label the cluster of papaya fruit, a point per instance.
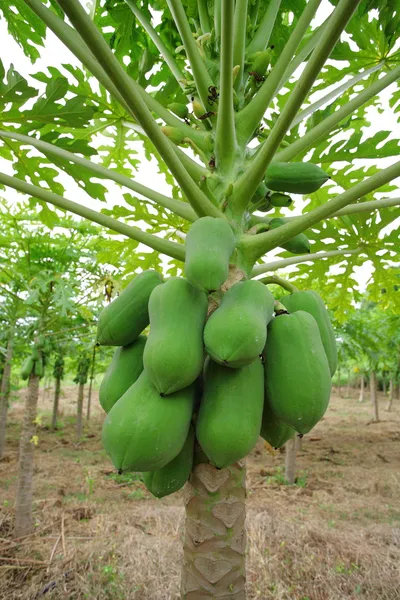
(203, 385)
(35, 363)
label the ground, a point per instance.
(335, 535)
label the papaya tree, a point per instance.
(81, 377)
(214, 92)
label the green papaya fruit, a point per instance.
(143, 431)
(209, 245)
(125, 368)
(174, 354)
(173, 133)
(274, 431)
(299, 244)
(124, 319)
(235, 333)
(38, 368)
(280, 200)
(297, 375)
(198, 109)
(261, 193)
(260, 62)
(174, 475)
(295, 178)
(311, 302)
(229, 419)
(180, 110)
(27, 367)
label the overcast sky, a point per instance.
(55, 54)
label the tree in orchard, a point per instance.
(250, 137)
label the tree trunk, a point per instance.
(348, 384)
(215, 538)
(339, 383)
(384, 386)
(290, 460)
(5, 389)
(79, 418)
(362, 386)
(23, 506)
(299, 443)
(374, 398)
(391, 394)
(91, 384)
(55, 404)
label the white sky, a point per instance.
(55, 54)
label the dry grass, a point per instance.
(333, 536)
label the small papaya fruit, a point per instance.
(209, 245)
(143, 431)
(295, 178)
(27, 367)
(173, 133)
(180, 110)
(274, 431)
(311, 302)
(235, 333)
(38, 368)
(299, 244)
(229, 419)
(260, 62)
(297, 375)
(198, 109)
(121, 322)
(280, 200)
(174, 355)
(125, 368)
(174, 475)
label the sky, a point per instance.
(55, 54)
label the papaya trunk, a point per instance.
(391, 394)
(290, 461)
(384, 385)
(5, 389)
(215, 538)
(79, 416)
(374, 399)
(348, 384)
(362, 386)
(89, 401)
(55, 404)
(23, 506)
(339, 383)
(299, 443)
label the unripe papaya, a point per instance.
(174, 354)
(173, 133)
(174, 475)
(260, 62)
(27, 367)
(311, 302)
(295, 178)
(229, 419)
(180, 110)
(299, 244)
(297, 376)
(121, 322)
(274, 431)
(143, 431)
(209, 245)
(198, 109)
(125, 368)
(235, 333)
(280, 200)
(38, 368)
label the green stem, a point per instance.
(336, 92)
(201, 76)
(248, 183)
(253, 12)
(157, 41)
(204, 17)
(74, 43)
(217, 20)
(239, 45)
(180, 208)
(262, 36)
(225, 139)
(164, 246)
(283, 283)
(294, 260)
(361, 207)
(249, 118)
(257, 245)
(325, 126)
(130, 91)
